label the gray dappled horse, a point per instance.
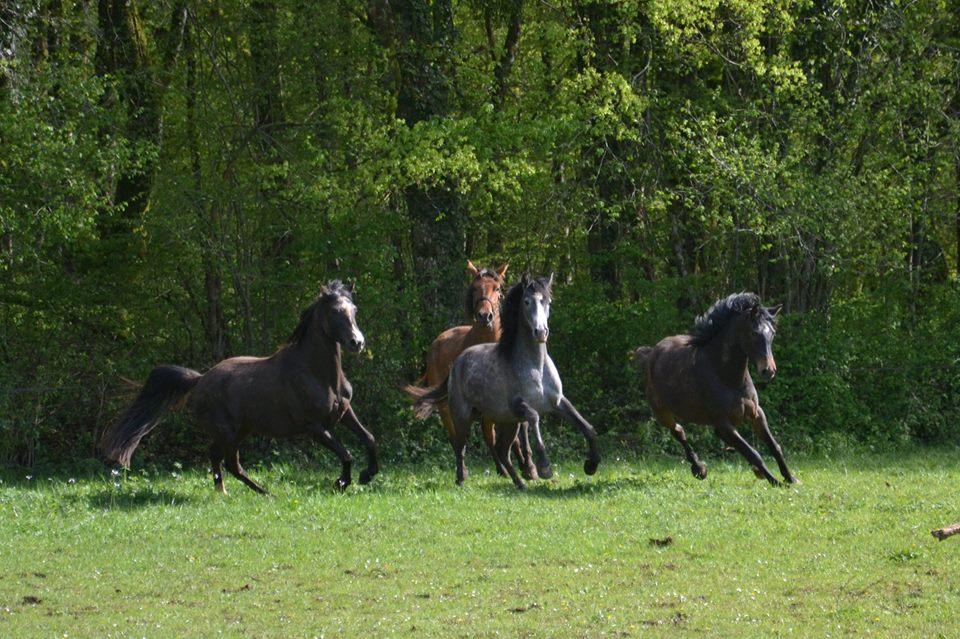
(511, 381)
(704, 378)
(299, 389)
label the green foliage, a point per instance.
(177, 179)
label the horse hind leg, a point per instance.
(697, 467)
(216, 465)
(233, 465)
(490, 437)
(506, 433)
(462, 417)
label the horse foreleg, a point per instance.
(521, 447)
(762, 429)
(369, 443)
(567, 411)
(506, 433)
(233, 465)
(329, 441)
(526, 413)
(729, 434)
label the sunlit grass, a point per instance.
(848, 553)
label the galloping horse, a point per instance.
(482, 306)
(509, 382)
(704, 378)
(299, 389)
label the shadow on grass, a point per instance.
(553, 490)
(144, 498)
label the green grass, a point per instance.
(848, 553)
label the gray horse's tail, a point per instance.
(164, 388)
(426, 399)
(640, 357)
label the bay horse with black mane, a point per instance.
(511, 381)
(704, 378)
(300, 389)
(482, 308)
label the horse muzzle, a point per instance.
(541, 334)
(767, 370)
(486, 319)
(356, 343)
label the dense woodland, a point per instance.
(178, 178)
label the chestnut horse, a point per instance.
(482, 307)
(299, 389)
(704, 378)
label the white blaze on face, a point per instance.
(349, 309)
(540, 314)
(767, 364)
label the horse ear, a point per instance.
(775, 310)
(550, 281)
(502, 270)
(472, 270)
(351, 287)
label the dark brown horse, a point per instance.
(704, 378)
(299, 389)
(482, 308)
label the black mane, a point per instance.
(334, 289)
(510, 311)
(468, 304)
(706, 326)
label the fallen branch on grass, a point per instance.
(946, 531)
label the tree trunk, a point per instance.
(509, 56)
(122, 53)
(214, 323)
(422, 34)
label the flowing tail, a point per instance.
(426, 399)
(165, 386)
(640, 357)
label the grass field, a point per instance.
(847, 553)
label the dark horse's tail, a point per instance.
(640, 357)
(165, 386)
(426, 399)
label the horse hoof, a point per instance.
(793, 480)
(699, 471)
(341, 484)
(545, 472)
(521, 486)
(366, 475)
